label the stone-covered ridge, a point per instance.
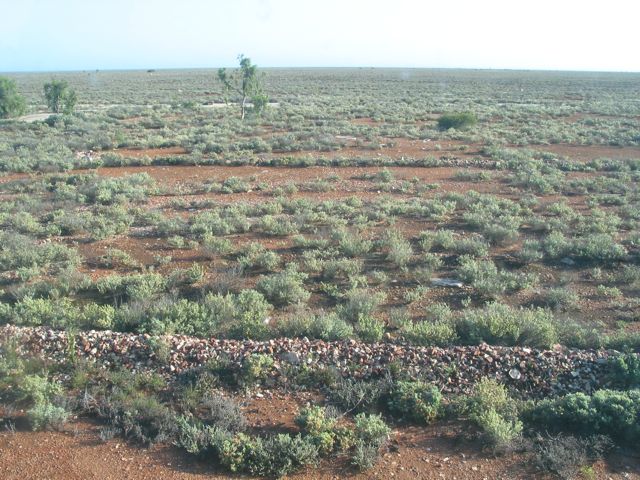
(533, 372)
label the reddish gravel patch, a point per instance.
(534, 373)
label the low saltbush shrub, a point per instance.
(415, 401)
(606, 412)
(459, 121)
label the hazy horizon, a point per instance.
(322, 67)
(76, 35)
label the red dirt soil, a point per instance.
(585, 153)
(148, 152)
(434, 452)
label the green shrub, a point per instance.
(285, 454)
(115, 258)
(370, 434)
(530, 252)
(12, 104)
(352, 244)
(359, 395)
(62, 313)
(560, 299)
(250, 317)
(360, 303)
(625, 370)
(223, 413)
(280, 226)
(598, 247)
(606, 412)
(369, 329)
(256, 368)
(485, 277)
(235, 185)
(399, 251)
(236, 452)
(315, 420)
(322, 430)
(415, 401)
(216, 245)
(30, 259)
(500, 324)
(143, 419)
(499, 432)
(341, 269)
(46, 416)
(274, 457)
(459, 121)
(495, 413)
(199, 439)
(324, 326)
(428, 334)
(99, 317)
(556, 245)
(472, 246)
(286, 287)
(131, 287)
(256, 256)
(38, 389)
(364, 456)
(371, 429)
(489, 394)
(440, 239)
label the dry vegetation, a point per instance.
(347, 210)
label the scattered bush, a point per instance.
(625, 371)
(360, 303)
(256, 368)
(325, 326)
(369, 329)
(223, 413)
(491, 409)
(284, 288)
(566, 455)
(371, 434)
(415, 401)
(485, 277)
(47, 416)
(359, 395)
(500, 324)
(142, 418)
(399, 251)
(429, 334)
(459, 121)
(606, 412)
(560, 299)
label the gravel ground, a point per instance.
(533, 373)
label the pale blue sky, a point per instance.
(121, 34)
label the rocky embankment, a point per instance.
(534, 373)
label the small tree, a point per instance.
(245, 82)
(11, 102)
(60, 98)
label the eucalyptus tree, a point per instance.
(245, 82)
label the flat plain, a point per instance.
(344, 212)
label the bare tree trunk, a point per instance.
(242, 106)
